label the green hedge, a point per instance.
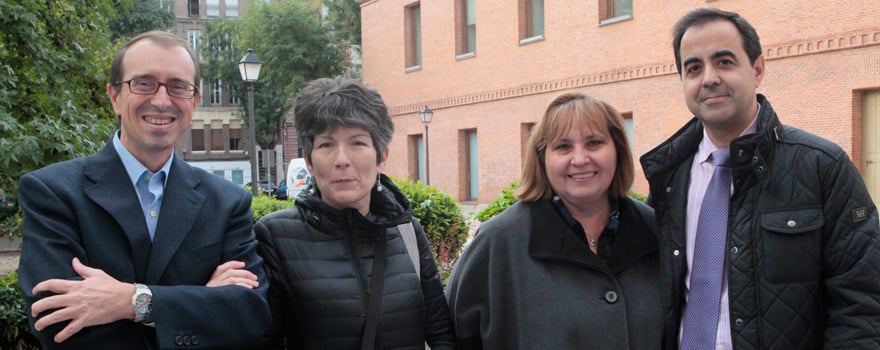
(445, 226)
(263, 205)
(14, 329)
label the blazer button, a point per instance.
(611, 297)
(179, 340)
(676, 252)
(740, 322)
(195, 340)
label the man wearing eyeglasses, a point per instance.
(131, 248)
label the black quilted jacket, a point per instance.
(803, 259)
(319, 262)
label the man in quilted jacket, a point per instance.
(800, 261)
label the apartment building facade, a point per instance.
(488, 69)
(218, 139)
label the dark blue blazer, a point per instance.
(88, 208)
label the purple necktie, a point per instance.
(707, 271)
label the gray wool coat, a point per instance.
(527, 282)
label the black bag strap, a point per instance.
(371, 328)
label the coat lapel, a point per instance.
(551, 239)
(181, 205)
(111, 189)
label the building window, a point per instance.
(198, 139)
(219, 173)
(472, 165)
(231, 8)
(630, 129)
(232, 96)
(212, 8)
(234, 139)
(217, 92)
(217, 141)
(466, 27)
(413, 23)
(194, 37)
(193, 8)
(238, 177)
(611, 11)
(531, 20)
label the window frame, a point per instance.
(413, 36)
(530, 13)
(608, 15)
(465, 29)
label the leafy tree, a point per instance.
(295, 48)
(345, 17)
(144, 15)
(55, 56)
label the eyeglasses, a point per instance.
(142, 86)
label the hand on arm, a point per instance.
(233, 272)
(97, 299)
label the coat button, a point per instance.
(676, 252)
(755, 159)
(195, 340)
(791, 223)
(611, 297)
(739, 322)
(179, 340)
(734, 250)
(187, 340)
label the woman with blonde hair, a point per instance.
(573, 264)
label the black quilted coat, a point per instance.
(320, 261)
(803, 259)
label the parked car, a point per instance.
(265, 187)
(280, 191)
(298, 177)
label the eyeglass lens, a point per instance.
(149, 87)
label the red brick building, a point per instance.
(488, 69)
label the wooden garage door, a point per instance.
(871, 139)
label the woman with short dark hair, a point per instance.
(340, 272)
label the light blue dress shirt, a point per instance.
(150, 187)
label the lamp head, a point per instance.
(250, 66)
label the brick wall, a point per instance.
(821, 57)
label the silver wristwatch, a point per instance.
(141, 302)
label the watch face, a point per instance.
(144, 303)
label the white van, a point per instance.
(297, 177)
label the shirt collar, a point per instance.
(612, 225)
(707, 147)
(133, 167)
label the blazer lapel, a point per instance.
(181, 205)
(112, 190)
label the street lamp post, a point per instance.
(249, 67)
(426, 114)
